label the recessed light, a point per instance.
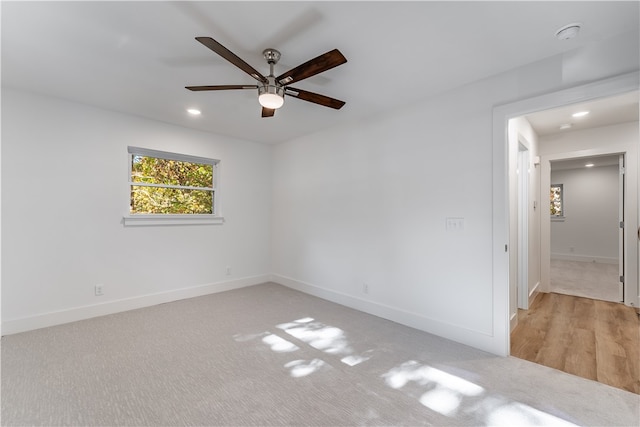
(589, 165)
(194, 112)
(568, 31)
(580, 114)
(565, 126)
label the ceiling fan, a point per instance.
(272, 89)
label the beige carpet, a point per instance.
(593, 280)
(267, 355)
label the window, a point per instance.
(556, 198)
(170, 188)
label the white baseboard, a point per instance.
(513, 321)
(534, 293)
(14, 326)
(584, 258)
(478, 339)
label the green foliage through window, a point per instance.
(171, 186)
(556, 197)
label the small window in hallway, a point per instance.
(556, 199)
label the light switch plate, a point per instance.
(455, 224)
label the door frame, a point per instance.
(545, 220)
(500, 182)
(523, 224)
(622, 194)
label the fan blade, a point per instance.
(231, 57)
(219, 87)
(315, 66)
(315, 98)
(268, 112)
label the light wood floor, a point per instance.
(593, 339)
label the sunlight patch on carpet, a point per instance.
(302, 368)
(519, 414)
(279, 345)
(328, 339)
(453, 396)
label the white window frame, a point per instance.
(130, 219)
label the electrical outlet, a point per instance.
(99, 290)
(365, 288)
(228, 271)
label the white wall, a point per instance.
(521, 132)
(367, 203)
(582, 140)
(64, 193)
(589, 230)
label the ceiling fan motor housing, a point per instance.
(271, 55)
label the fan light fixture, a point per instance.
(272, 100)
(271, 95)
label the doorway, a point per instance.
(586, 240)
(573, 333)
(503, 248)
(579, 313)
(595, 230)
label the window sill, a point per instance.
(558, 218)
(164, 220)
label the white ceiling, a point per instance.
(602, 112)
(136, 57)
(579, 163)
